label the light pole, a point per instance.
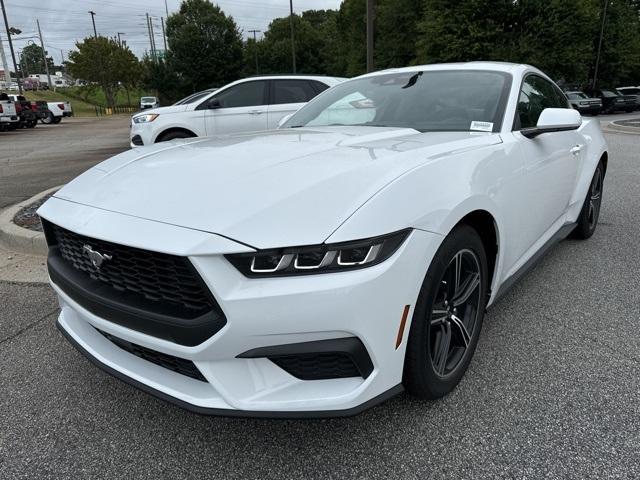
(293, 43)
(13, 55)
(370, 18)
(119, 40)
(93, 20)
(255, 48)
(604, 18)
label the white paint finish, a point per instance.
(201, 197)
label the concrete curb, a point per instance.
(19, 239)
(613, 126)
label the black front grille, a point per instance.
(317, 366)
(175, 364)
(157, 277)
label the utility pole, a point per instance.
(93, 20)
(604, 18)
(153, 54)
(13, 55)
(255, 48)
(370, 19)
(5, 65)
(293, 42)
(44, 55)
(153, 39)
(164, 35)
(166, 8)
(119, 40)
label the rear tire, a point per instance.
(57, 120)
(446, 326)
(588, 218)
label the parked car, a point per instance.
(8, 115)
(26, 116)
(256, 103)
(149, 102)
(613, 101)
(318, 269)
(57, 111)
(634, 91)
(583, 103)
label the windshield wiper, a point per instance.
(413, 80)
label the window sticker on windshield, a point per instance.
(482, 126)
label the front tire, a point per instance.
(48, 119)
(448, 316)
(588, 218)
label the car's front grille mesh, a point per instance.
(175, 364)
(317, 366)
(157, 277)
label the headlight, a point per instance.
(149, 117)
(324, 258)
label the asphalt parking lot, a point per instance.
(553, 390)
(32, 160)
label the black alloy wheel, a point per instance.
(454, 315)
(448, 315)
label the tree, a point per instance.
(205, 46)
(106, 62)
(31, 59)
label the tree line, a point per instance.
(206, 47)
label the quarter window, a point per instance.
(292, 91)
(247, 94)
(536, 95)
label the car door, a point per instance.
(288, 95)
(239, 108)
(551, 160)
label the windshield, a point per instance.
(444, 100)
(195, 96)
(607, 93)
(576, 96)
(148, 99)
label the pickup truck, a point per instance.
(57, 110)
(8, 116)
(27, 118)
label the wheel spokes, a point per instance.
(441, 348)
(454, 312)
(462, 329)
(470, 284)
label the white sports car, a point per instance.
(321, 268)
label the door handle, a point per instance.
(256, 112)
(576, 150)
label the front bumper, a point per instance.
(366, 304)
(140, 134)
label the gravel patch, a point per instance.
(28, 218)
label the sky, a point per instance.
(63, 22)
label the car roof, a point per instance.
(506, 67)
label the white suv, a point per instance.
(250, 104)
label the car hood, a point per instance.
(268, 189)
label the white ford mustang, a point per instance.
(320, 268)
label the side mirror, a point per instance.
(554, 120)
(284, 120)
(213, 104)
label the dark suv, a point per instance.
(614, 101)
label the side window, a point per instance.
(536, 95)
(291, 91)
(319, 86)
(247, 94)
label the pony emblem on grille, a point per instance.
(97, 258)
